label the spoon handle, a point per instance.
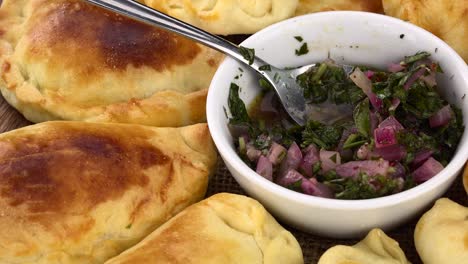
(140, 12)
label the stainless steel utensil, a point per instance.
(283, 81)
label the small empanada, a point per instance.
(376, 248)
(441, 235)
(69, 60)
(225, 228)
(79, 192)
(446, 19)
(227, 17)
(312, 6)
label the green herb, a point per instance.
(248, 54)
(237, 106)
(129, 226)
(325, 136)
(363, 187)
(299, 38)
(265, 68)
(418, 56)
(333, 158)
(296, 186)
(316, 168)
(264, 84)
(302, 50)
(325, 82)
(353, 141)
(361, 115)
(242, 146)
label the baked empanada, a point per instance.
(312, 6)
(227, 17)
(225, 228)
(376, 248)
(69, 60)
(441, 235)
(79, 192)
(446, 19)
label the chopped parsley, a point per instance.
(304, 49)
(248, 54)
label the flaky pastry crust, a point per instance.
(82, 192)
(225, 228)
(69, 60)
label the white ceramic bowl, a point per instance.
(350, 38)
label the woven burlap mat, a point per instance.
(313, 246)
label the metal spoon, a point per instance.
(283, 81)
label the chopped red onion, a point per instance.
(361, 80)
(414, 78)
(290, 177)
(398, 170)
(428, 170)
(374, 120)
(265, 168)
(395, 103)
(395, 67)
(329, 159)
(421, 157)
(369, 74)
(392, 152)
(310, 158)
(252, 153)
(315, 188)
(292, 160)
(363, 152)
(370, 167)
(442, 117)
(276, 153)
(385, 136)
(391, 121)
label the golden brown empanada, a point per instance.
(78, 192)
(441, 235)
(225, 228)
(66, 59)
(227, 17)
(376, 248)
(312, 6)
(446, 19)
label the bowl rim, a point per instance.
(449, 172)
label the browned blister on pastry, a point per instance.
(67, 59)
(75, 192)
(446, 19)
(225, 228)
(312, 6)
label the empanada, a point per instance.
(227, 17)
(376, 248)
(446, 19)
(225, 228)
(441, 235)
(78, 192)
(69, 60)
(312, 6)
